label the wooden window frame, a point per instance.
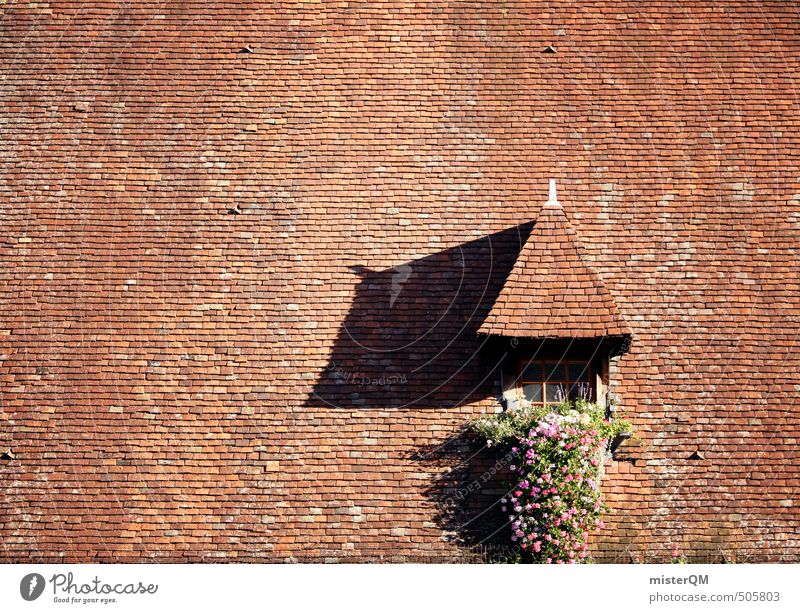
(523, 363)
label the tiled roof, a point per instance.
(551, 291)
(181, 383)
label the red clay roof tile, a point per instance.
(160, 358)
(551, 292)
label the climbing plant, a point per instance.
(556, 453)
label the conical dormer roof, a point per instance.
(551, 292)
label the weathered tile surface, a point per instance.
(551, 291)
(168, 370)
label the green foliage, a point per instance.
(556, 456)
(504, 429)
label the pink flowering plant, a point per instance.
(557, 457)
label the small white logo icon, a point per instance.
(400, 276)
(31, 586)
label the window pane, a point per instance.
(578, 372)
(553, 370)
(532, 372)
(532, 391)
(555, 392)
(580, 390)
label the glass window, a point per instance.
(546, 382)
(554, 392)
(577, 371)
(533, 392)
(532, 372)
(553, 371)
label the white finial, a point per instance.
(552, 201)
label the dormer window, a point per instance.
(545, 382)
(554, 325)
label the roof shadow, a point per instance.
(410, 338)
(468, 481)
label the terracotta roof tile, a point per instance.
(161, 359)
(551, 291)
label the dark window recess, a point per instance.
(551, 382)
